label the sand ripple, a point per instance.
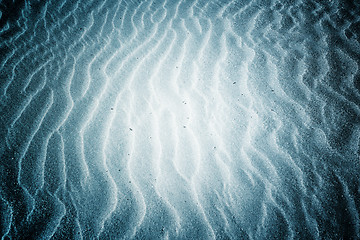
(183, 119)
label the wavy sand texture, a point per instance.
(188, 119)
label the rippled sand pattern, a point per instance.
(189, 119)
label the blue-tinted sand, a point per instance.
(179, 119)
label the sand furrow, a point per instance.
(185, 119)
